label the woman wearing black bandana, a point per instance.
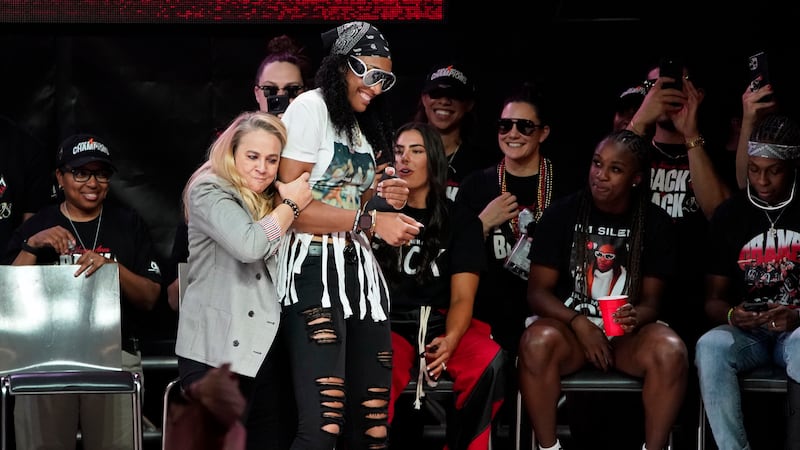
(335, 299)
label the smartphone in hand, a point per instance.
(755, 306)
(759, 74)
(672, 68)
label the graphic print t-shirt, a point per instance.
(763, 265)
(606, 269)
(341, 173)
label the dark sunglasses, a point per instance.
(450, 93)
(524, 126)
(292, 91)
(371, 77)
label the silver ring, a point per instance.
(91, 263)
(444, 366)
(773, 324)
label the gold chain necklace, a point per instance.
(77, 235)
(543, 194)
(668, 155)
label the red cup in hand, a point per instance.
(608, 306)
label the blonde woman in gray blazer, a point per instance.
(237, 214)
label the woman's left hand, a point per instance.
(89, 262)
(780, 317)
(437, 353)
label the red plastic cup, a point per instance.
(608, 306)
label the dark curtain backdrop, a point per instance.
(158, 93)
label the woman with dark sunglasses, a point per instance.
(509, 197)
(282, 75)
(611, 219)
(335, 300)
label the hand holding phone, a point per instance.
(755, 306)
(759, 74)
(672, 68)
(277, 104)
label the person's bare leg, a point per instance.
(548, 350)
(657, 354)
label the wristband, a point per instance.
(293, 205)
(32, 250)
(730, 316)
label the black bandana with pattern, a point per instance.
(357, 39)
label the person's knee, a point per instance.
(671, 355)
(537, 344)
(711, 348)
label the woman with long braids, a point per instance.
(754, 269)
(433, 282)
(566, 332)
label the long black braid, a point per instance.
(640, 200)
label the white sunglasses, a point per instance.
(371, 77)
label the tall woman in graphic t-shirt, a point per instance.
(335, 301)
(566, 334)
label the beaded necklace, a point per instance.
(543, 194)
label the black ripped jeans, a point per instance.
(341, 368)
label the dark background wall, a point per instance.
(158, 92)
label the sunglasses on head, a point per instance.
(450, 93)
(292, 91)
(524, 126)
(371, 77)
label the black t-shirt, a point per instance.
(121, 235)
(673, 190)
(26, 177)
(762, 265)
(501, 299)
(470, 157)
(608, 251)
(460, 251)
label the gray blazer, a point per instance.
(230, 310)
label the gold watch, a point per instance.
(699, 141)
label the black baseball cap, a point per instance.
(450, 77)
(81, 149)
